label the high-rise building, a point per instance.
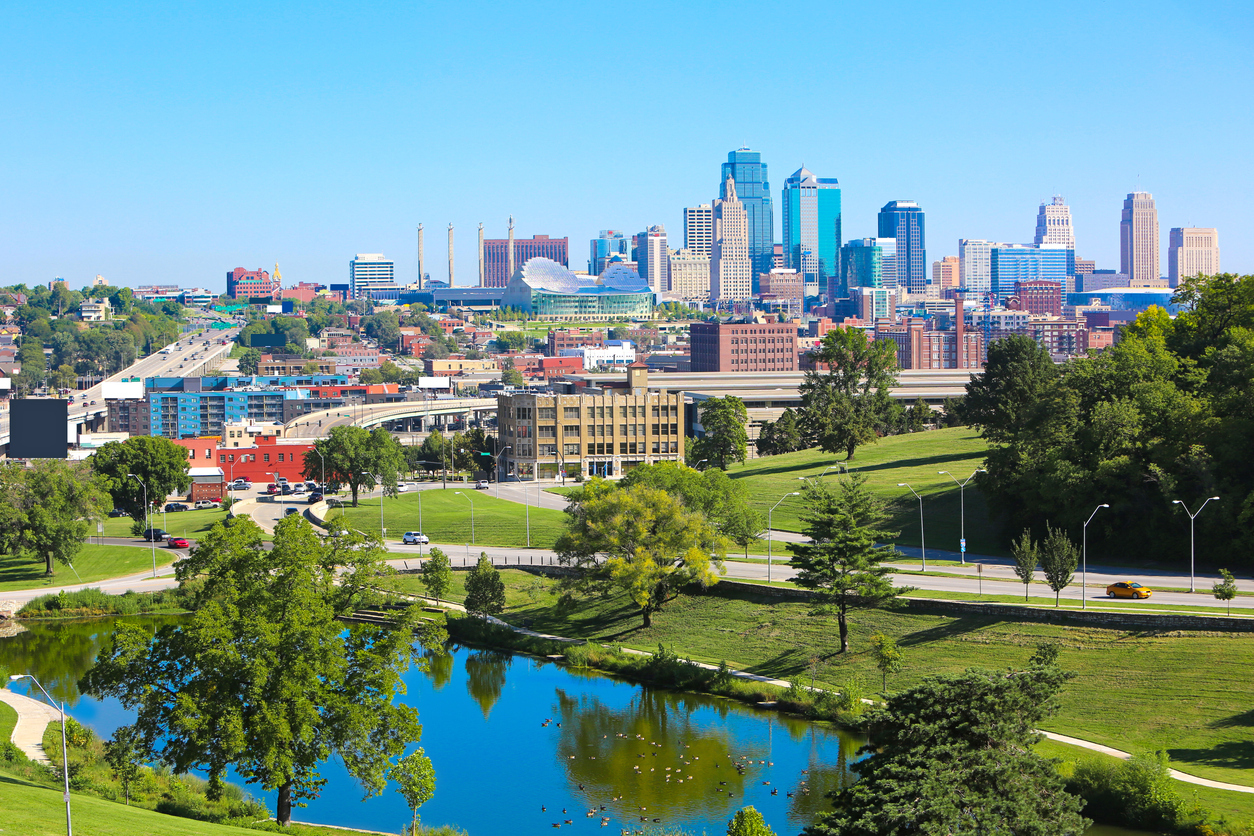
(975, 265)
(903, 220)
(1040, 298)
(371, 272)
(746, 168)
(699, 229)
(1138, 238)
(811, 208)
(1011, 264)
(1053, 224)
(605, 246)
(498, 260)
(946, 274)
(731, 267)
(690, 276)
(784, 288)
(1192, 251)
(653, 258)
(866, 262)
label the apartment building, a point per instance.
(605, 433)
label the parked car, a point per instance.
(272, 488)
(288, 511)
(152, 535)
(481, 485)
(316, 496)
(1128, 589)
(415, 538)
(240, 485)
(311, 486)
(175, 506)
(176, 543)
(202, 504)
(285, 489)
(298, 488)
(117, 512)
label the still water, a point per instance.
(528, 744)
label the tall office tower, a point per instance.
(370, 271)
(731, 266)
(1053, 224)
(609, 243)
(699, 229)
(903, 220)
(420, 274)
(811, 207)
(946, 274)
(1138, 240)
(1012, 264)
(866, 262)
(654, 258)
(746, 168)
(481, 265)
(500, 254)
(690, 276)
(1192, 251)
(975, 266)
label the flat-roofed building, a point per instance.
(1192, 251)
(743, 346)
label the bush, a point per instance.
(94, 601)
(1133, 793)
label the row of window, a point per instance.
(572, 413)
(603, 449)
(223, 458)
(574, 430)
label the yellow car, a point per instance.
(1128, 589)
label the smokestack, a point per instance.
(420, 256)
(510, 255)
(450, 255)
(481, 254)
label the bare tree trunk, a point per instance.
(844, 628)
(48, 563)
(284, 811)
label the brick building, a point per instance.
(1040, 298)
(284, 365)
(743, 347)
(496, 259)
(251, 284)
(572, 338)
(264, 459)
(605, 433)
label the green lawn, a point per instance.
(1186, 692)
(915, 459)
(94, 563)
(8, 719)
(181, 523)
(446, 518)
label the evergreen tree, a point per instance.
(485, 591)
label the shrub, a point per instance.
(1135, 793)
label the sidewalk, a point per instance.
(33, 717)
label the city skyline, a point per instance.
(138, 152)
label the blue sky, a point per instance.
(171, 142)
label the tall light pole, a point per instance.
(922, 537)
(65, 760)
(1192, 517)
(324, 464)
(383, 532)
(1084, 553)
(147, 526)
(472, 515)
(768, 532)
(496, 465)
(962, 497)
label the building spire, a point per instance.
(420, 256)
(481, 264)
(509, 267)
(450, 255)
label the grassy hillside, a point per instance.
(94, 563)
(915, 458)
(445, 518)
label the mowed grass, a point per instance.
(914, 458)
(1188, 693)
(93, 563)
(445, 518)
(8, 719)
(180, 523)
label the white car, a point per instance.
(415, 538)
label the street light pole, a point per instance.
(768, 532)
(147, 526)
(922, 536)
(65, 759)
(323, 459)
(1192, 517)
(496, 465)
(472, 515)
(962, 498)
(1084, 552)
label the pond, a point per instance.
(532, 744)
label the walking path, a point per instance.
(33, 718)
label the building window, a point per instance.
(655, 431)
(570, 449)
(267, 457)
(570, 429)
(222, 458)
(592, 449)
(622, 447)
(622, 412)
(570, 413)
(656, 447)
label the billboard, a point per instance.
(267, 340)
(128, 390)
(38, 427)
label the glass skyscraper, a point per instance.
(866, 262)
(1011, 263)
(753, 190)
(903, 220)
(610, 243)
(811, 207)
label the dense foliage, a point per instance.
(845, 400)
(725, 439)
(47, 509)
(1167, 413)
(145, 465)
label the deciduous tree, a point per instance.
(415, 776)
(263, 676)
(1058, 556)
(437, 574)
(1023, 552)
(725, 439)
(160, 464)
(123, 756)
(485, 591)
(350, 453)
(888, 657)
(846, 398)
(1225, 589)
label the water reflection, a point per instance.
(439, 667)
(485, 677)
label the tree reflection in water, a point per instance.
(439, 666)
(485, 677)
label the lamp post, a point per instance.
(768, 532)
(324, 464)
(1192, 517)
(65, 760)
(698, 467)
(147, 526)
(472, 516)
(383, 532)
(1084, 557)
(496, 465)
(962, 498)
(922, 536)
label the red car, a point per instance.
(176, 543)
(272, 488)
